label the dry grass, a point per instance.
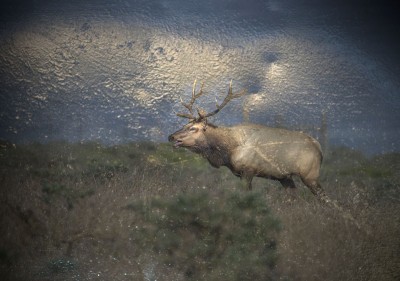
(63, 224)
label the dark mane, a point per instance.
(219, 145)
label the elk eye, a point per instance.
(193, 129)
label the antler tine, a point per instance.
(189, 105)
(194, 89)
(186, 115)
(230, 96)
(194, 95)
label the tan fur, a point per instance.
(256, 151)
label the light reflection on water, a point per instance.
(115, 72)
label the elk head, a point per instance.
(192, 135)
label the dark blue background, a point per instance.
(114, 71)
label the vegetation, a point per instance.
(224, 237)
(145, 211)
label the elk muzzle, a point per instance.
(175, 139)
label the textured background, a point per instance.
(114, 71)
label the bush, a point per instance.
(207, 237)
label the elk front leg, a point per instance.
(248, 180)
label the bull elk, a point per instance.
(251, 150)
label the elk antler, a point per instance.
(202, 114)
(230, 96)
(189, 105)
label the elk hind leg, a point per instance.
(319, 192)
(316, 189)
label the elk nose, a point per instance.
(171, 138)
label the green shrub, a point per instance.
(228, 236)
(52, 190)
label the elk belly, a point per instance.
(254, 161)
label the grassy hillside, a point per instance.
(145, 211)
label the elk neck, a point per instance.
(220, 144)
